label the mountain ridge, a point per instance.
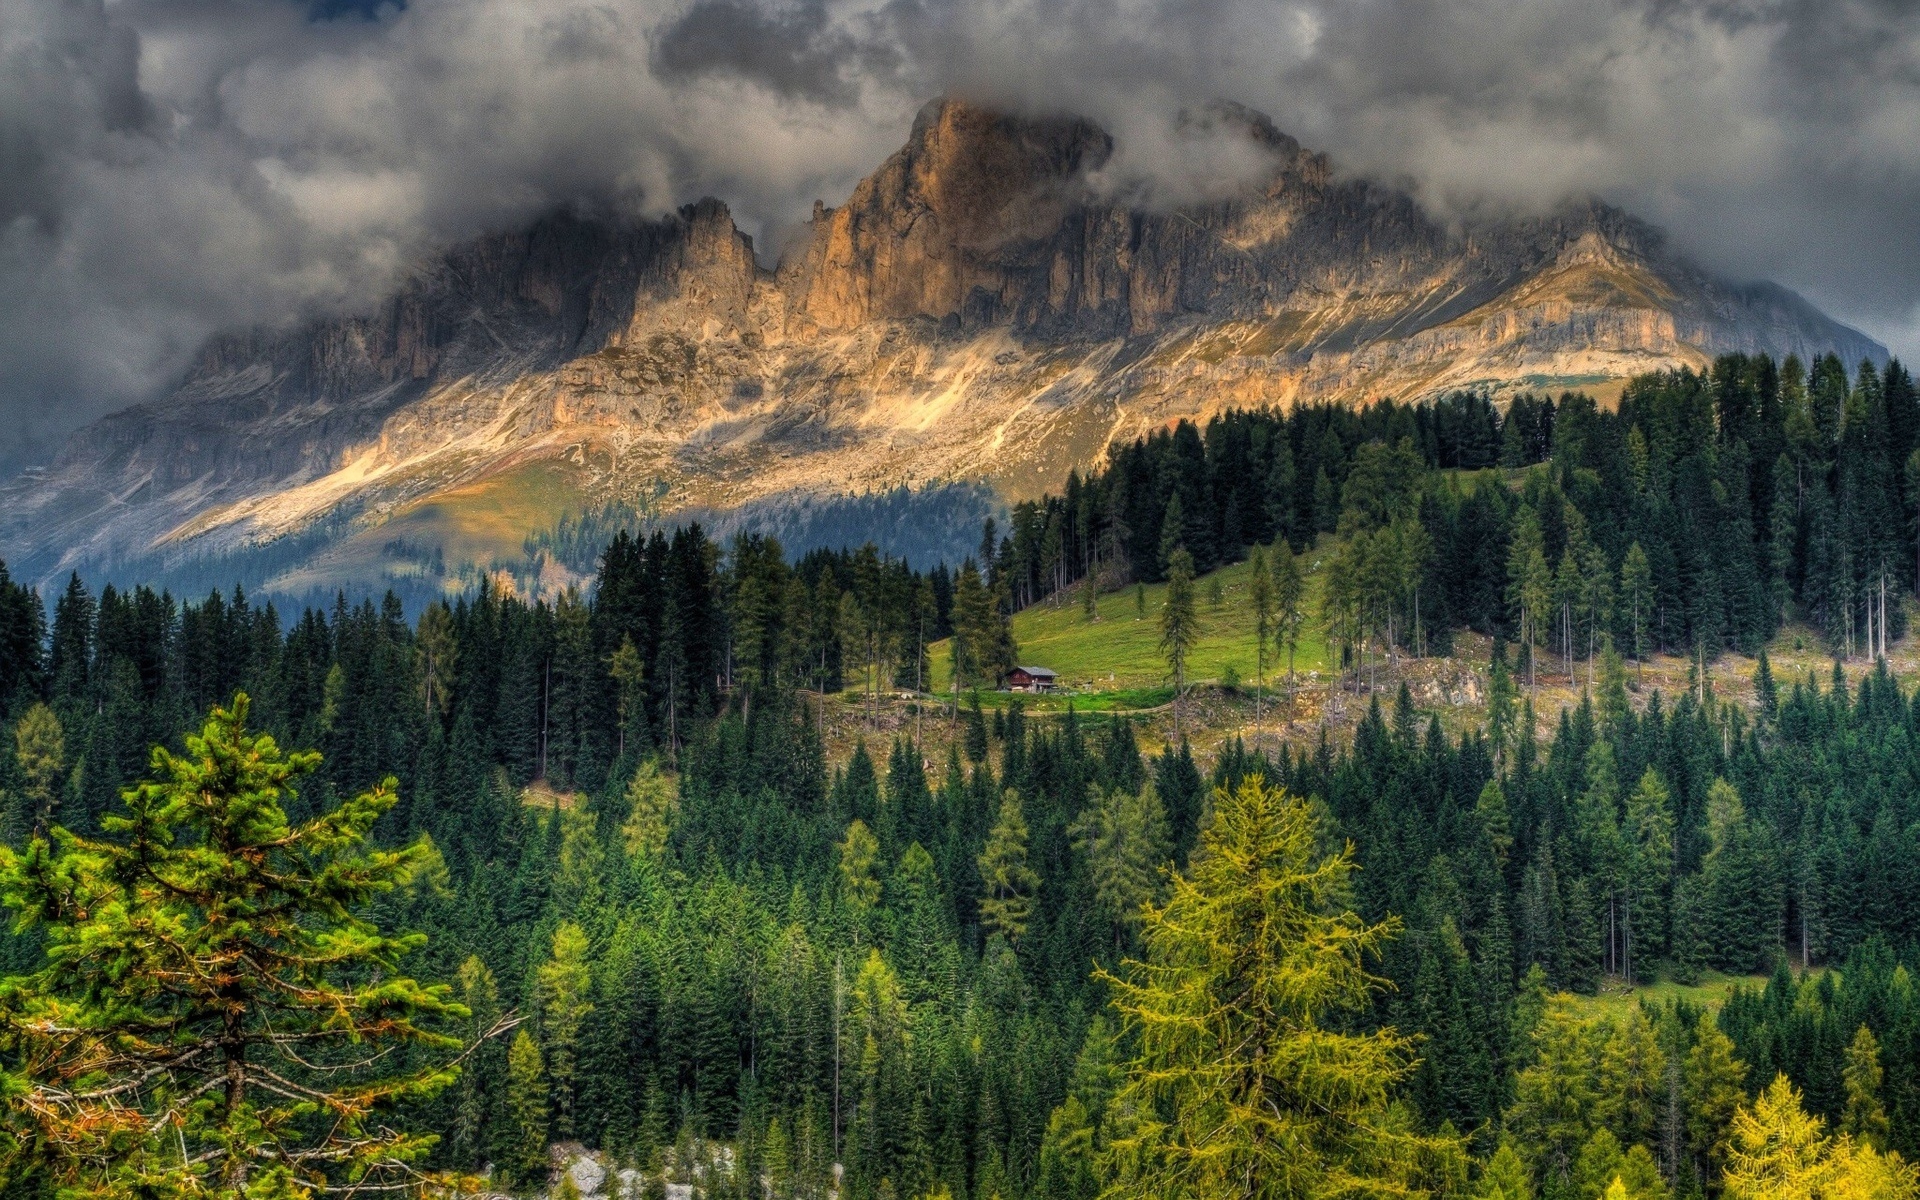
(979, 309)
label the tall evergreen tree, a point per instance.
(210, 986)
(1242, 1084)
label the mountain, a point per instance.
(983, 310)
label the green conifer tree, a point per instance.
(563, 988)
(1008, 881)
(1714, 1085)
(526, 1157)
(1179, 626)
(1124, 839)
(210, 985)
(1865, 1119)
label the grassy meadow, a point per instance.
(1115, 662)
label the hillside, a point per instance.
(976, 310)
(1115, 661)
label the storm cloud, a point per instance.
(171, 167)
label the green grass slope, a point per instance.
(1116, 662)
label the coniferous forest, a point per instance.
(657, 921)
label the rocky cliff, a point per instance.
(983, 307)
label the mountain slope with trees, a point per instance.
(950, 973)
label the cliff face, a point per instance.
(980, 307)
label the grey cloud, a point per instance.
(169, 167)
(792, 49)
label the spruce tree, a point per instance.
(1179, 626)
(1124, 838)
(1008, 881)
(214, 1015)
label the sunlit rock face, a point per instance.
(985, 306)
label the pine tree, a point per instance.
(1633, 1081)
(1764, 690)
(1491, 809)
(1584, 939)
(859, 875)
(1242, 1084)
(1505, 1177)
(1529, 583)
(1557, 1100)
(473, 1131)
(1500, 702)
(1775, 1148)
(212, 984)
(973, 628)
(1173, 531)
(1615, 709)
(1260, 600)
(1008, 881)
(1650, 865)
(439, 657)
(628, 672)
(1780, 1152)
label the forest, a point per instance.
(654, 919)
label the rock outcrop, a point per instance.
(981, 307)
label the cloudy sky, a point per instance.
(169, 167)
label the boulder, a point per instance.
(588, 1176)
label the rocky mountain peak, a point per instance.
(988, 305)
(920, 235)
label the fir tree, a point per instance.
(1179, 627)
(1124, 838)
(1008, 881)
(209, 984)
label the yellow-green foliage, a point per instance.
(1242, 1086)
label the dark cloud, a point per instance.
(791, 49)
(168, 167)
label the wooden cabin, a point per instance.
(1030, 679)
